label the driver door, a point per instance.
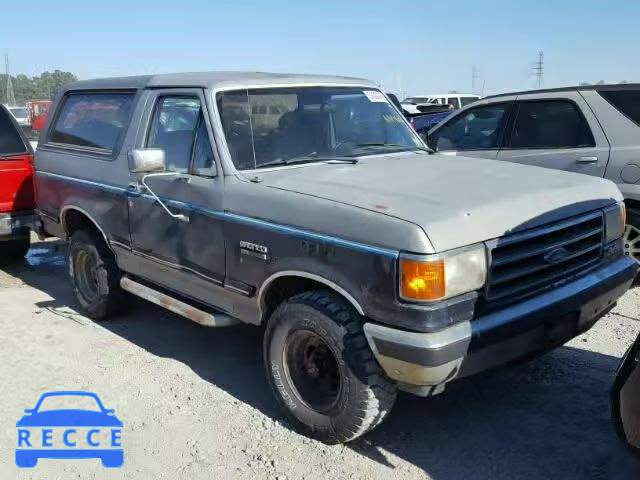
(183, 254)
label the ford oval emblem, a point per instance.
(556, 255)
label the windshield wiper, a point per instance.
(395, 145)
(308, 158)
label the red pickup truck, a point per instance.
(16, 189)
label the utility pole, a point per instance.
(398, 84)
(538, 69)
(10, 97)
(474, 78)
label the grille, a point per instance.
(527, 263)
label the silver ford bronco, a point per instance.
(307, 204)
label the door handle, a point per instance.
(134, 187)
(587, 160)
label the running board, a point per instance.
(177, 306)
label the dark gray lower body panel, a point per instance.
(187, 283)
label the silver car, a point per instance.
(21, 114)
(593, 130)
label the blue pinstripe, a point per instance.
(235, 217)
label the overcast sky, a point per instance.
(419, 47)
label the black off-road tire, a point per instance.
(14, 250)
(365, 396)
(107, 298)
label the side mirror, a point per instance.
(28, 410)
(626, 398)
(109, 411)
(147, 160)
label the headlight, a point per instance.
(614, 221)
(427, 278)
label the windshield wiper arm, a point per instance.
(310, 157)
(380, 144)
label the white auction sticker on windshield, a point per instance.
(375, 96)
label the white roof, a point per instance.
(438, 95)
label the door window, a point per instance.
(454, 102)
(467, 100)
(476, 129)
(550, 124)
(175, 122)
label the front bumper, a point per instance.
(15, 224)
(424, 362)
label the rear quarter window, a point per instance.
(625, 101)
(92, 120)
(10, 140)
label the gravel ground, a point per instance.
(195, 403)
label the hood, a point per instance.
(457, 201)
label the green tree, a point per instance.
(39, 87)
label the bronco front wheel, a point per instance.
(321, 369)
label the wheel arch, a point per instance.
(73, 218)
(632, 203)
(286, 283)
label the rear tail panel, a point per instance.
(16, 169)
(16, 184)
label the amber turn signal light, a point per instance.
(422, 280)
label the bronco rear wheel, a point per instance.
(94, 275)
(321, 369)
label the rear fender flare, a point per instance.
(63, 220)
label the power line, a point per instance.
(10, 97)
(474, 78)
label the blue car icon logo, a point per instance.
(51, 430)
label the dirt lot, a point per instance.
(195, 404)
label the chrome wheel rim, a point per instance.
(631, 243)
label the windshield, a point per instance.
(270, 126)
(40, 108)
(69, 402)
(19, 112)
(417, 100)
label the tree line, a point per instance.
(39, 87)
